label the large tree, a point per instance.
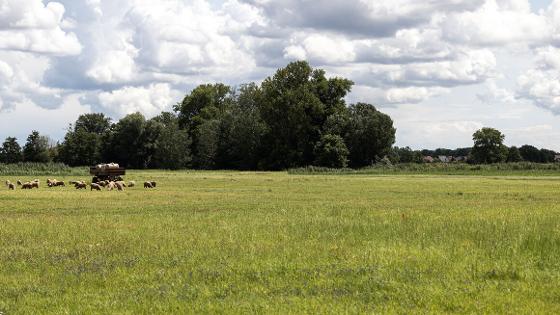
(11, 151)
(36, 148)
(296, 102)
(489, 146)
(530, 153)
(369, 134)
(172, 145)
(82, 142)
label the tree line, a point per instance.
(488, 147)
(297, 117)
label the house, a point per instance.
(428, 159)
(445, 159)
(557, 158)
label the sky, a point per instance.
(441, 69)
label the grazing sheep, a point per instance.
(148, 185)
(59, 183)
(8, 183)
(103, 183)
(95, 186)
(34, 184)
(81, 185)
(131, 183)
(19, 183)
(11, 186)
(153, 184)
(26, 185)
(111, 186)
(120, 186)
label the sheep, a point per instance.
(148, 185)
(120, 186)
(11, 186)
(153, 184)
(34, 184)
(94, 186)
(81, 185)
(26, 185)
(59, 183)
(131, 183)
(111, 186)
(102, 183)
(19, 183)
(8, 183)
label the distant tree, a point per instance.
(172, 149)
(125, 142)
(83, 140)
(406, 155)
(547, 156)
(514, 155)
(369, 135)
(36, 148)
(11, 151)
(530, 153)
(489, 146)
(331, 151)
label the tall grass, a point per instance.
(41, 169)
(518, 169)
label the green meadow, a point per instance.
(279, 243)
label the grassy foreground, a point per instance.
(229, 242)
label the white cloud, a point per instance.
(150, 100)
(497, 22)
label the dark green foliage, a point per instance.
(369, 135)
(172, 150)
(514, 155)
(530, 153)
(331, 151)
(36, 148)
(296, 102)
(83, 142)
(10, 152)
(489, 146)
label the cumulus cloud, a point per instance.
(149, 100)
(542, 83)
(124, 56)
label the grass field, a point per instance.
(275, 243)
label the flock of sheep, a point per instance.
(119, 185)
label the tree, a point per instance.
(206, 102)
(126, 143)
(11, 151)
(82, 142)
(36, 148)
(172, 150)
(331, 151)
(514, 155)
(488, 146)
(547, 156)
(529, 153)
(295, 104)
(369, 134)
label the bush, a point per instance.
(41, 169)
(331, 151)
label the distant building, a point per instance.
(445, 159)
(428, 159)
(557, 158)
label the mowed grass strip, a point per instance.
(235, 242)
